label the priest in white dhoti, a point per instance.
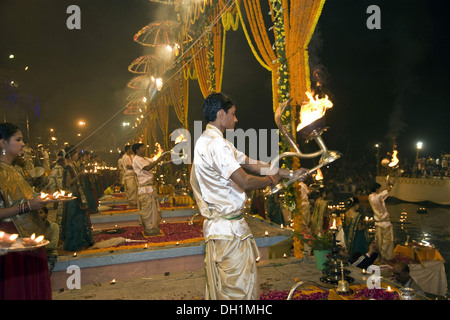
(384, 232)
(130, 177)
(148, 205)
(219, 183)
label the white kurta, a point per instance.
(231, 251)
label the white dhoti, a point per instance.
(231, 272)
(149, 210)
(131, 190)
(385, 240)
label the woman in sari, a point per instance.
(76, 223)
(356, 237)
(24, 275)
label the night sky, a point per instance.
(385, 84)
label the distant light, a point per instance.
(53, 139)
(26, 68)
(125, 124)
(419, 145)
(144, 99)
(79, 134)
(11, 56)
(81, 123)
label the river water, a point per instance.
(432, 227)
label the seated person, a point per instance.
(402, 277)
(363, 261)
(52, 235)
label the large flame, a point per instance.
(158, 153)
(394, 159)
(313, 110)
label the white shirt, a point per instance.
(127, 161)
(381, 215)
(215, 160)
(144, 177)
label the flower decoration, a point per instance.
(377, 294)
(305, 294)
(315, 239)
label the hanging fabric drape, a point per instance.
(300, 20)
(300, 17)
(178, 91)
(152, 116)
(162, 110)
(208, 59)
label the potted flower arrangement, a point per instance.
(320, 242)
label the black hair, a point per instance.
(7, 130)
(70, 151)
(127, 147)
(352, 201)
(136, 146)
(375, 186)
(214, 103)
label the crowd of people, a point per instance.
(26, 275)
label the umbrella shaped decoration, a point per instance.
(148, 64)
(159, 33)
(134, 107)
(139, 82)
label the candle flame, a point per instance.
(33, 236)
(319, 175)
(313, 110)
(39, 239)
(13, 236)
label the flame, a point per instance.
(13, 236)
(159, 153)
(179, 139)
(313, 110)
(394, 160)
(319, 175)
(44, 195)
(39, 239)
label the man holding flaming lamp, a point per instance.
(219, 182)
(150, 214)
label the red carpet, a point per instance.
(170, 232)
(176, 233)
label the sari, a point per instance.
(76, 224)
(355, 240)
(24, 275)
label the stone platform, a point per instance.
(143, 262)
